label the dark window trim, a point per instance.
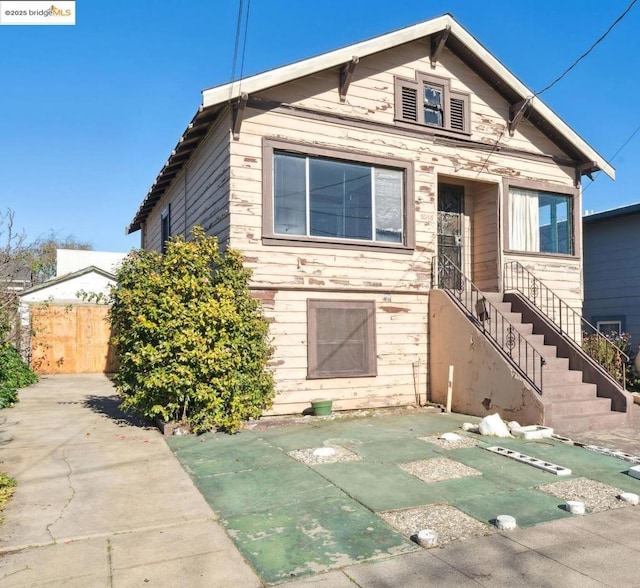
(420, 80)
(312, 333)
(269, 237)
(165, 227)
(573, 193)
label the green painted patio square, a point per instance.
(188, 445)
(382, 487)
(580, 461)
(529, 507)
(212, 459)
(618, 478)
(302, 437)
(421, 424)
(345, 432)
(396, 451)
(450, 491)
(504, 472)
(294, 541)
(260, 489)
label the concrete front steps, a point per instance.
(571, 405)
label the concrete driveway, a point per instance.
(101, 500)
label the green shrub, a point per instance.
(7, 487)
(609, 356)
(14, 374)
(192, 344)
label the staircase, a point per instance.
(535, 333)
(571, 404)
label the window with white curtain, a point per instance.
(540, 222)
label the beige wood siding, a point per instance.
(294, 274)
(201, 189)
(401, 333)
(486, 270)
(371, 94)
(222, 189)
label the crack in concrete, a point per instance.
(16, 572)
(73, 494)
(110, 562)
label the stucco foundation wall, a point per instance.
(483, 382)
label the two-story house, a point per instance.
(344, 177)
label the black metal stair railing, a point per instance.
(571, 324)
(503, 334)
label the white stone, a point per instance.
(630, 497)
(324, 452)
(470, 427)
(427, 538)
(575, 507)
(494, 426)
(533, 432)
(450, 437)
(506, 522)
(514, 425)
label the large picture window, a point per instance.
(540, 222)
(341, 338)
(337, 198)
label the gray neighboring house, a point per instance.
(612, 270)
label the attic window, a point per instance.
(429, 101)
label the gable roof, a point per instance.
(73, 275)
(459, 41)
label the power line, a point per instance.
(237, 41)
(600, 39)
(625, 143)
(631, 136)
(528, 100)
(244, 43)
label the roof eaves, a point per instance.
(216, 97)
(196, 130)
(274, 77)
(612, 213)
(66, 277)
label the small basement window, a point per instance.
(429, 101)
(341, 338)
(609, 328)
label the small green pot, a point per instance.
(322, 407)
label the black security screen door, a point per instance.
(450, 208)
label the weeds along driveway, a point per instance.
(294, 514)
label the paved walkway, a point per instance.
(102, 501)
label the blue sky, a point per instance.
(89, 113)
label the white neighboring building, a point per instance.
(64, 289)
(73, 260)
(77, 271)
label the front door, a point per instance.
(450, 210)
